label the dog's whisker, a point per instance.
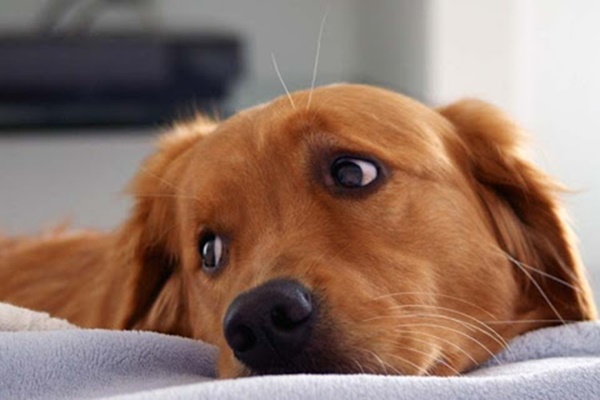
(529, 321)
(383, 364)
(470, 317)
(287, 92)
(360, 367)
(421, 369)
(434, 294)
(428, 355)
(316, 65)
(524, 268)
(565, 268)
(438, 338)
(378, 359)
(536, 284)
(547, 275)
(456, 331)
(467, 325)
(443, 362)
(394, 369)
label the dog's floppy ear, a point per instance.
(524, 209)
(147, 244)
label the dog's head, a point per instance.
(365, 233)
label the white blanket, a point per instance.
(553, 363)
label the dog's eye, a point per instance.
(353, 172)
(211, 249)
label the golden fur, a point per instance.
(462, 247)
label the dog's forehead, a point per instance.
(356, 118)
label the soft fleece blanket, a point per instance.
(44, 358)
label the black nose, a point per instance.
(269, 325)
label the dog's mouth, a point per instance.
(280, 328)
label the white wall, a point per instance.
(565, 106)
(47, 181)
(539, 60)
(392, 44)
(471, 51)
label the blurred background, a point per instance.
(85, 86)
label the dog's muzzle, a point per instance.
(269, 327)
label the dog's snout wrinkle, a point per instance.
(269, 325)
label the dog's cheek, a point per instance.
(201, 302)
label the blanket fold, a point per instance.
(18, 319)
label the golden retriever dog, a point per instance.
(346, 229)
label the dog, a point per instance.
(345, 229)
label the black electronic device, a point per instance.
(90, 80)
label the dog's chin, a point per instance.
(312, 366)
(317, 360)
